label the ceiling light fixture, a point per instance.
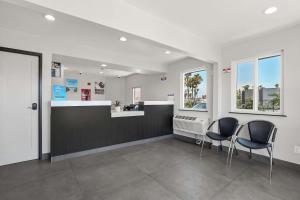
(103, 65)
(50, 18)
(101, 72)
(138, 71)
(167, 52)
(123, 39)
(270, 10)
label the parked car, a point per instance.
(200, 106)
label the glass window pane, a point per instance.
(269, 73)
(136, 95)
(244, 87)
(195, 84)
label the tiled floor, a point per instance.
(165, 170)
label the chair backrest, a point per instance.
(227, 126)
(260, 131)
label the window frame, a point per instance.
(182, 74)
(255, 60)
(133, 92)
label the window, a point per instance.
(257, 85)
(194, 90)
(136, 95)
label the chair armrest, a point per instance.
(274, 134)
(238, 130)
(211, 125)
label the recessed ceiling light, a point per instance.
(103, 65)
(101, 72)
(50, 18)
(270, 10)
(123, 39)
(167, 52)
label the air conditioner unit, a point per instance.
(189, 126)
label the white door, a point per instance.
(18, 121)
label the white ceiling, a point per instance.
(78, 65)
(223, 21)
(136, 52)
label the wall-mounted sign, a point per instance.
(72, 85)
(227, 70)
(56, 70)
(99, 88)
(59, 92)
(85, 94)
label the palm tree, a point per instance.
(196, 81)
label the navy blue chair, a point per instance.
(262, 136)
(226, 129)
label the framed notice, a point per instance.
(71, 85)
(85, 94)
(59, 92)
(99, 88)
(56, 70)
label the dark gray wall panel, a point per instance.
(75, 129)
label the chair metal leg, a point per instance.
(269, 151)
(202, 144)
(228, 153)
(236, 151)
(230, 160)
(250, 153)
(271, 164)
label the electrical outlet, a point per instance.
(297, 149)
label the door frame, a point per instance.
(40, 61)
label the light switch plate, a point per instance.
(297, 149)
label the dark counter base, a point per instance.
(75, 129)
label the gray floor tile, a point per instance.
(59, 186)
(157, 158)
(190, 183)
(102, 178)
(166, 169)
(21, 173)
(145, 189)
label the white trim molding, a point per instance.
(79, 103)
(255, 85)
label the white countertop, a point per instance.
(79, 103)
(126, 113)
(158, 102)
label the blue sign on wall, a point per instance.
(59, 92)
(72, 83)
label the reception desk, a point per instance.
(78, 126)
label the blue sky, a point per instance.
(268, 72)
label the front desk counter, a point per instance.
(78, 126)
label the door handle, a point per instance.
(33, 106)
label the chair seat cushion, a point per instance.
(252, 145)
(216, 136)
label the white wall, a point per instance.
(83, 81)
(153, 88)
(115, 89)
(174, 80)
(288, 127)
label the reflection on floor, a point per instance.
(166, 170)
